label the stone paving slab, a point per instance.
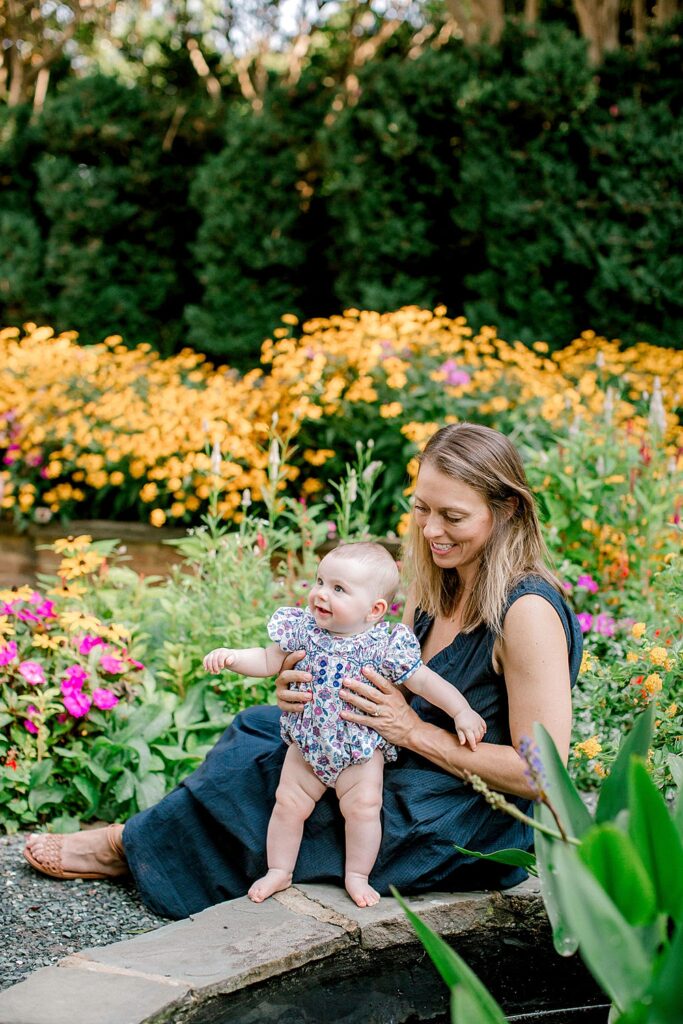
(212, 958)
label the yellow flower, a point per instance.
(403, 524)
(671, 710)
(653, 683)
(586, 662)
(319, 456)
(79, 621)
(659, 655)
(590, 747)
(6, 627)
(50, 643)
(599, 770)
(289, 318)
(312, 486)
(80, 565)
(117, 633)
(69, 591)
(390, 410)
(157, 517)
(116, 478)
(632, 657)
(637, 629)
(72, 544)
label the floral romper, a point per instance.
(327, 742)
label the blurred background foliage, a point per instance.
(179, 171)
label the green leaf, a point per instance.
(142, 750)
(675, 763)
(89, 790)
(609, 946)
(170, 753)
(40, 773)
(667, 990)
(614, 861)
(124, 787)
(656, 839)
(564, 939)
(100, 773)
(515, 858)
(454, 970)
(5, 719)
(614, 791)
(562, 792)
(149, 791)
(42, 795)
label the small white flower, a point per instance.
(353, 486)
(274, 457)
(246, 498)
(216, 458)
(600, 359)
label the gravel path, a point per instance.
(43, 920)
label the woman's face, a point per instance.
(453, 517)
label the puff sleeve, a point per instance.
(402, 657)
(286, 628)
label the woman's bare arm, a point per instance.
(533, 657)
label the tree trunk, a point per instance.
(478, 19)
(599, 24)
(666, 10)
(531, 11)
(639, 21)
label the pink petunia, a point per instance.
(588, 583)
(33, 673)
(88, 642)
(77, 703)
(604, 624)
(111, 665)
(74, 677)
(8, 653)
(453, 374)
(585, 621)
(104, 699)
(46, 610)
(135, 663)
(30, 727)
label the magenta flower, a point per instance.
(8, 653)
(104, 699)
(46, 610)
(33, 673)
(88, 642)
(74, 677)
(135, 663)
(77, 703)
(111, 665)
(585, 621)
(453, 374)
(26, 616)
(604, 624)
(30, 726)
(588, 583)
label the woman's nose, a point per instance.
(431, 528)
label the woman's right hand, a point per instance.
(292, 701)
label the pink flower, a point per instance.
(8, 653)
(104, 699)
(566, 585)
(74, 677)
(111, 665)
(134, 663)
(453, 375)
(588, 583)
(77, 703)
(30, 726)
(32, 671)
(46, 610)
(585, 621)
(26, 616)
(88, 642)
(604, 624)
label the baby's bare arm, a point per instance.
(430, 685)
(249, 661)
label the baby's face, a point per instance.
(342, 598)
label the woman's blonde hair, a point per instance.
(489, 463)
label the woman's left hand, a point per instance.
(388, 710)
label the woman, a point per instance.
(490, 618)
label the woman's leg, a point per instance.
(297, 794)
(95, 852)
(359, 789)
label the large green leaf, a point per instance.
(513, 857)
(614, 791)
(656, 838)
(562, 792)
(613, 859)
(667, 990)
(564, 940)
(481, 1006)
(149, 790)
(41, 772)
(610, 947)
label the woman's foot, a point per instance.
(93, 853)
(274, 881)
(360, 890)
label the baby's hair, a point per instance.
(382, 569)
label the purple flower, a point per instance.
(588, 583)
(8, 653)
(604, 624)
(88, 642)
(46, 610)
(74, 677)
(453, 374)
(33, 673)
(77, 703)
(26, 616)
(111, 665)
(566, 585)
(585, 621)
(30, 726)
(104, 699)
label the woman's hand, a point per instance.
(391, 715)
(292, 701)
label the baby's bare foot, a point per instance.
(275, 881)
(360, 890)
(84, 852)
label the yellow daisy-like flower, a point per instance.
(49, 643)
(659, 655)
(653, 683)
(637, 629)
(319, 456)
(390, 410)
(75, 621)
(586, 662)
(632, 657)
(589, 748)
(20, 594)
(6, 627)
(69, 591)
(80, 565)
(157, 517)
(117, 633)
(72, 543)
(671, 710)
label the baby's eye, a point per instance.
(339, 589)
(319, 582)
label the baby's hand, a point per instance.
(222, 657)
(470, 727)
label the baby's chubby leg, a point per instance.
(297, 794)
(359, 789)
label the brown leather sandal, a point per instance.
(51, 862)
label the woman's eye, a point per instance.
(420, 508)
(449, 519)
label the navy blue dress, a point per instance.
(206, 841)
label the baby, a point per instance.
(341, 631)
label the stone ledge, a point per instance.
(231, 961)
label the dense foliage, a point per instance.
(513, 183)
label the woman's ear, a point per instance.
(510, 506)
(379, 609)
